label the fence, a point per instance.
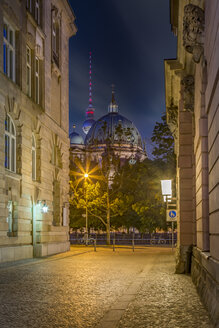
(133, 240)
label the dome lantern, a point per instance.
(113, 107)
(75, 138)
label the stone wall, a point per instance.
(196, 25)
(205, 276)
(33, 232)
(212, 111)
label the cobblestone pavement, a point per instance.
(104, 289)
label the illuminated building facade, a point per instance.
(192, 97)
(112, 133)
(34, 143)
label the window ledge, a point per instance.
(12, 175)
(38, 107)
(36, 182)
(12, 234)
(35, 24)
(55, 69)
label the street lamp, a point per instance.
(166, 188)
(86, 175)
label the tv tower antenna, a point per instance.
(90, 110)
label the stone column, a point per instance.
(185, 177)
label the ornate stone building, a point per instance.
(112, 133)
(34, 143)
(192, 97)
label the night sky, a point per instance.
(129, 39)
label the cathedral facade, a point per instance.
(34, 137)
(110, 134)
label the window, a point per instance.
(10, 145)
(56, 156)
(56, 203)
(34, 7)
(29, 5)
(37, 11)
(29, 60)
(12, 219)
(33, 158)
(37, 80)
(9, 50)
(10, 216)
(55, 37)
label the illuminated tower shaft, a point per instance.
(90, 110)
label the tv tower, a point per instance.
(90, 110)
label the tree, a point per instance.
(95, 194)
(163, 151)
(163, 142)
(140, 185)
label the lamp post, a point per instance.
(166, 188)
(86, 175)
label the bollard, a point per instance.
(113, 244)
(133, 245)
(95, 244)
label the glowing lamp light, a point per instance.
(43, 205)
(167, 198)
(166, 187)
(45, 208)
(86, 175)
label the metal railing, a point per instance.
(115, 242)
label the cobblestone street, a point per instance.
(103, 289)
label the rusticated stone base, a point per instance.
(183, 259)
(205, 275)
(15, 253)
(47, 249)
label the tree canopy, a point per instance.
(124, 195)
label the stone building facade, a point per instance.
(192, 98)
(34, 127)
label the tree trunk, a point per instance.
(108, 228)
(108, 217)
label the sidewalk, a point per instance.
(102, 289)
(158, 298)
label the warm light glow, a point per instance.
(166, 187)
(43, 205)
(86, 172)
(45, 208)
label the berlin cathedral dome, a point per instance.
(76, 138)
(112, 131)
(113, 128)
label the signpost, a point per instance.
(171, 216)
(171, 212)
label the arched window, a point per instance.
(10, 144)
(33, 158)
